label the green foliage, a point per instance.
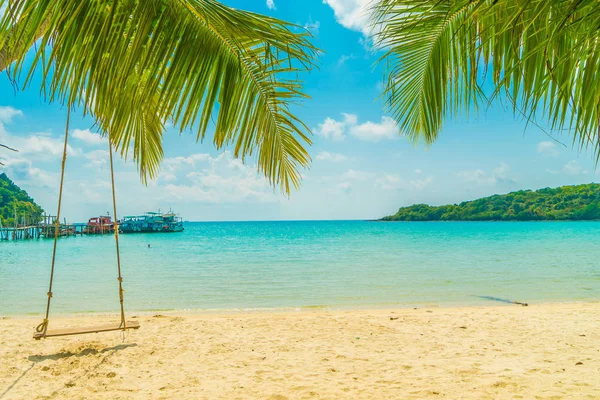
(12, 197)
(137, 64)
(541, 55)
(581, 202)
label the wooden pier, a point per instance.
(21, 233)
(25, 227)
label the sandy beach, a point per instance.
(548, 351)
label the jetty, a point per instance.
(27, 227)
(19, 233)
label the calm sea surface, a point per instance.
(256, 265)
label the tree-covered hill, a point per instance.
(581, 202)
(12, 197)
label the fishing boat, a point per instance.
(151, 222)
(99, 226)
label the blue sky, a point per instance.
(362, 167)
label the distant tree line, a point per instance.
(580, 202)
(14, 198)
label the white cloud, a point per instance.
(421, 183)
(332, 157)
(95, 192)
(367, 131)
(475, 176)
(332, 129)
(167, 176)
(343, 58)
(175, 163)
(43, 146)
(548, 148)
(352, 14)
(388, 182)
(97, 158)
(23, 171)
(219, 180)
(355, 175)
(499, 175)
(350, 119)
(345, 187)
(271, 5)
(395, 182)
(375, 132)
(573, 168)
(87, 136)
(312, 27)
(502, 174)
(7, 114)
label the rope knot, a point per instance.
(49, 295)
(120, 279)
(43, 326)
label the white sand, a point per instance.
(549, 351)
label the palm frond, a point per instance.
(136, 64)
(7, 147)
(542, 55)
(429, 69)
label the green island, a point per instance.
(566, 203)
(13, 200)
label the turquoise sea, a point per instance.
(288, 265)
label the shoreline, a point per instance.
(297, 310)
(544, 351)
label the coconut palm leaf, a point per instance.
(8, 148)
(137, 64)
(542, 55)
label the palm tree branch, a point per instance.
(135, 65)
(428, 82)
(543, 56)
(245, 64)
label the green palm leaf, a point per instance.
(542, 55)
(136, 64)
(8, 148)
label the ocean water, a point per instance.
(288, 265)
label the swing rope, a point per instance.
(116, 228)
(43, 327)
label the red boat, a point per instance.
(99, 226)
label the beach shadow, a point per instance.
(82, 353)
(495, 299)
(502, 300)
(109, 351)
(8, 389)
(66, 354)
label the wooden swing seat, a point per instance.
(90, 329)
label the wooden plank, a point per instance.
(84, 330)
